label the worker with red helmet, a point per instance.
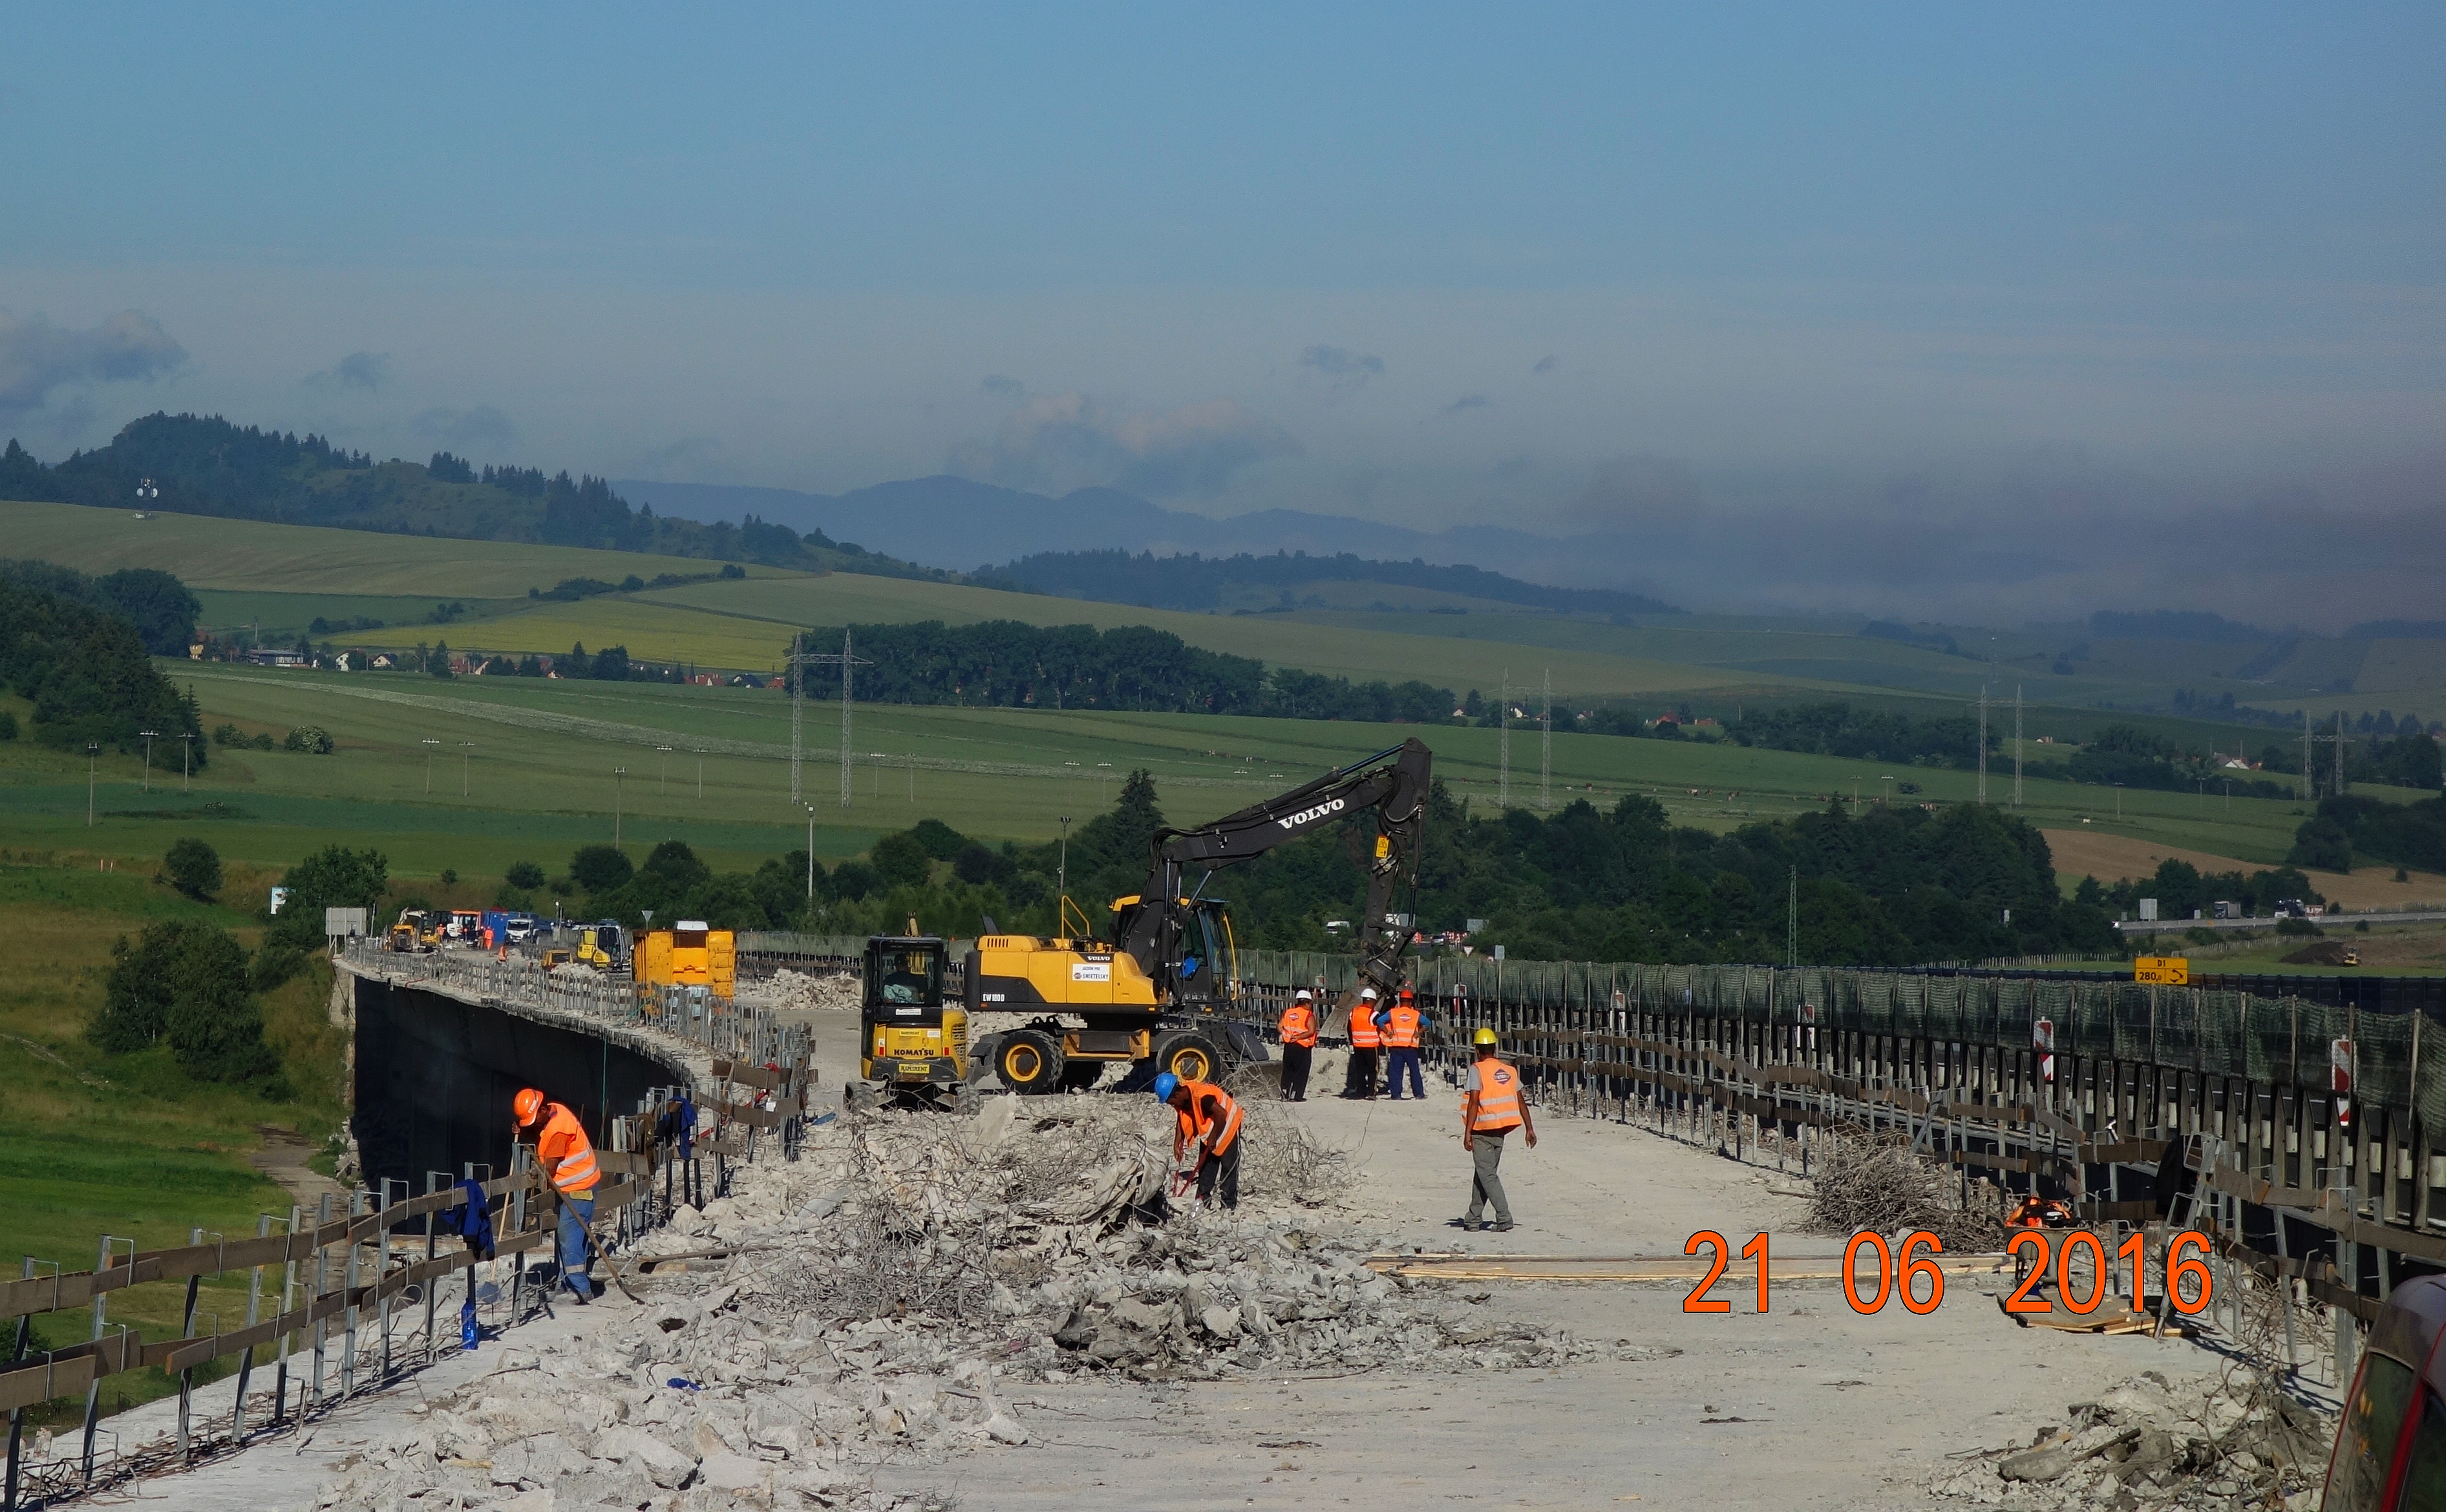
(567, 1157)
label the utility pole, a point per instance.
(700, 777)
(811, 854)
(800, 659)
(1062, 876)
(2339, 752)
(429, 743)
(148, 735)
(619, 776)
(1546, 746)
(662, 777)
(1983, 743)
(92, 754)
(2016, 746)
(187, 753)
(1791, 922)
(1503, 746)
(2302, 789)
(466, 753)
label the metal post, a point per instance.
(187, 1331)
(93, 1391)
(2349, 1255)
(433, 1180)
(288, 1300)
(322, 1282)
(382, 1270)
(348, 1301)
(17, 1416)
(254, 1316)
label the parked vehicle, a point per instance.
(521, 927)
(2390, 1453)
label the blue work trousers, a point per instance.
(1398, 1058)
(577, 1215)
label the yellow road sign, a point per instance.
(2165, 971)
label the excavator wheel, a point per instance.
(1030, 1062)
(1188, 1054)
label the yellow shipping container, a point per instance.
(689, 954)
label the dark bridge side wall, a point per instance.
(435, 1077)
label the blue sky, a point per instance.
(1424, 264)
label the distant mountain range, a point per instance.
(954, 522)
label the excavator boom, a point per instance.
(1392, 784)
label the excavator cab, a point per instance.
(1204, 973)
(913, 1044)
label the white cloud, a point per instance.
(37, 357)
(482, 429)
(1056, 443)
(368, 370)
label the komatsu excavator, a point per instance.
(1158, 987)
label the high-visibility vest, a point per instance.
(1498, 1097)
(1362, 1024)
(1196, 1124)
(1403, 1033)
(566, 1152)
(1299, 1024)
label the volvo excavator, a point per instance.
(1156, 990)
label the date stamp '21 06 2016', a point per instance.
(1910, 1275)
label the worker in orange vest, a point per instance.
(567, 1157)
(1491, 1107)
(1299, 1045)
(1209, 1120)
(1402, 1036)
(1360, 1080)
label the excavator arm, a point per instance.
(1392, 783)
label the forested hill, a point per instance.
(205, 465)
(1201, 583)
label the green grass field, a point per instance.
(540, 763)
(128, 1145)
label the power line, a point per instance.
(1503, 746)
(1546, 747)
(800, 659)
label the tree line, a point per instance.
(88, 674)
(1006, 664)
(1200, 584)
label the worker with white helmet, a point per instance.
(1299, 1045)
(1365, 1035)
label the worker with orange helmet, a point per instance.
(1401, 1039)
(1299, 1045)
(567, 1157)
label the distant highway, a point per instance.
(2175, 926)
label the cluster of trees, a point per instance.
(186, 983)
(1003, 663)
(1199, 584)
(1862, 734)
(205, 465)
(2353, 826)
(157, 603)
(88, 674)
(2128, 755)
(1894, 887)
(2180, 887)
(2405, 756)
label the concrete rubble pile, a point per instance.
(2155, 1442)
(798, 991)
(877, 1298)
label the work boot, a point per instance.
(1503, 1225)
(1471, 1225)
